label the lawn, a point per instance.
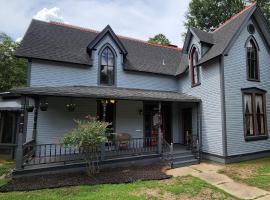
(255, 173)
(5, 166)
(176, 188)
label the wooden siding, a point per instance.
(210, 93)
(235, 79)
(46, 73)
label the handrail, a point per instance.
(167, 151)
(54, 153)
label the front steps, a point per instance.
(181, 159)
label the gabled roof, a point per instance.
(102, 34)
(66, 43)
(226, 32)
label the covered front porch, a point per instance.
(144, 124)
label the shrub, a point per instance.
(88, 136)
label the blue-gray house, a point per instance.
(210, 98)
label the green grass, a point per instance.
(254, 173)
(177, 187)
(5, 167)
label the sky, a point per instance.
(133, 18)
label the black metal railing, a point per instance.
(194, 145)
(36, 154)
(167, 151)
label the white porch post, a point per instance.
(160, 136)
(19, 150)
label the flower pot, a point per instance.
(71, 107)
(43, 106)
(30, 108)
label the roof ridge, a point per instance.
(120, 36)
(234, 16)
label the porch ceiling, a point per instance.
(106, 92)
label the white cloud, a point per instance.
(52, 14)
(139, 19)
(19, 39)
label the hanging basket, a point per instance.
(30, 108)
(71, 107)
(44, 106)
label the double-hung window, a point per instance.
(254, 114)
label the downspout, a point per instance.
(223, 108)
(199, 130)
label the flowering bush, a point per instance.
(88, 135)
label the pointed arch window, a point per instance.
(107, 67)
(254, 114)
(194, 68)
(252, 60)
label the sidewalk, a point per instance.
(209, 173)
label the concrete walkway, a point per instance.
(209, 173)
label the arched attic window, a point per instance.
(252, 60)
(194, 69)
(107, 67)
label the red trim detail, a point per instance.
(120, 36)
(235, 16)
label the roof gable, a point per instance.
(228, 32)
(107, 31)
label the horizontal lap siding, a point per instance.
(60, 74)
(129, 119)
(210, 94)
(56, 121)
(235, 79)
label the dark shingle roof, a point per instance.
(106, 92)
(225, 33)
(203, 36)
(65, 43)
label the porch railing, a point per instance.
(194, 146)
(36, 154)
(167, 151)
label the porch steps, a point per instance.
(182, 158)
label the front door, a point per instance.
(187, 125)
(151, 120)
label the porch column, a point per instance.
(35, 119)
(19, 151)
(160, 136)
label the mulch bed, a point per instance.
(109, 176)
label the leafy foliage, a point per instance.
(265, 6)
(159, 39)
(89, 132)
(88, 136)
(12, 69)
(209, 14)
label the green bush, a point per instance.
(88, 135)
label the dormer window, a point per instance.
(252, 60)
(107, 67)
(194, 69)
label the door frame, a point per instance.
(186, 111)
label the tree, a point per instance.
(209, 14)
(12, 69)
(265, 6)
(159, 39)
(88, 136)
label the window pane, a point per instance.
(248, 114)
(107, 67)
(260, 114)
(252, 60)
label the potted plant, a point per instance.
(88, 136)
(43, 105)
(71, 107)
(30, 108)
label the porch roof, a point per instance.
(106, 92)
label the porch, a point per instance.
(150, 119)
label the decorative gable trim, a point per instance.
(107, 30)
